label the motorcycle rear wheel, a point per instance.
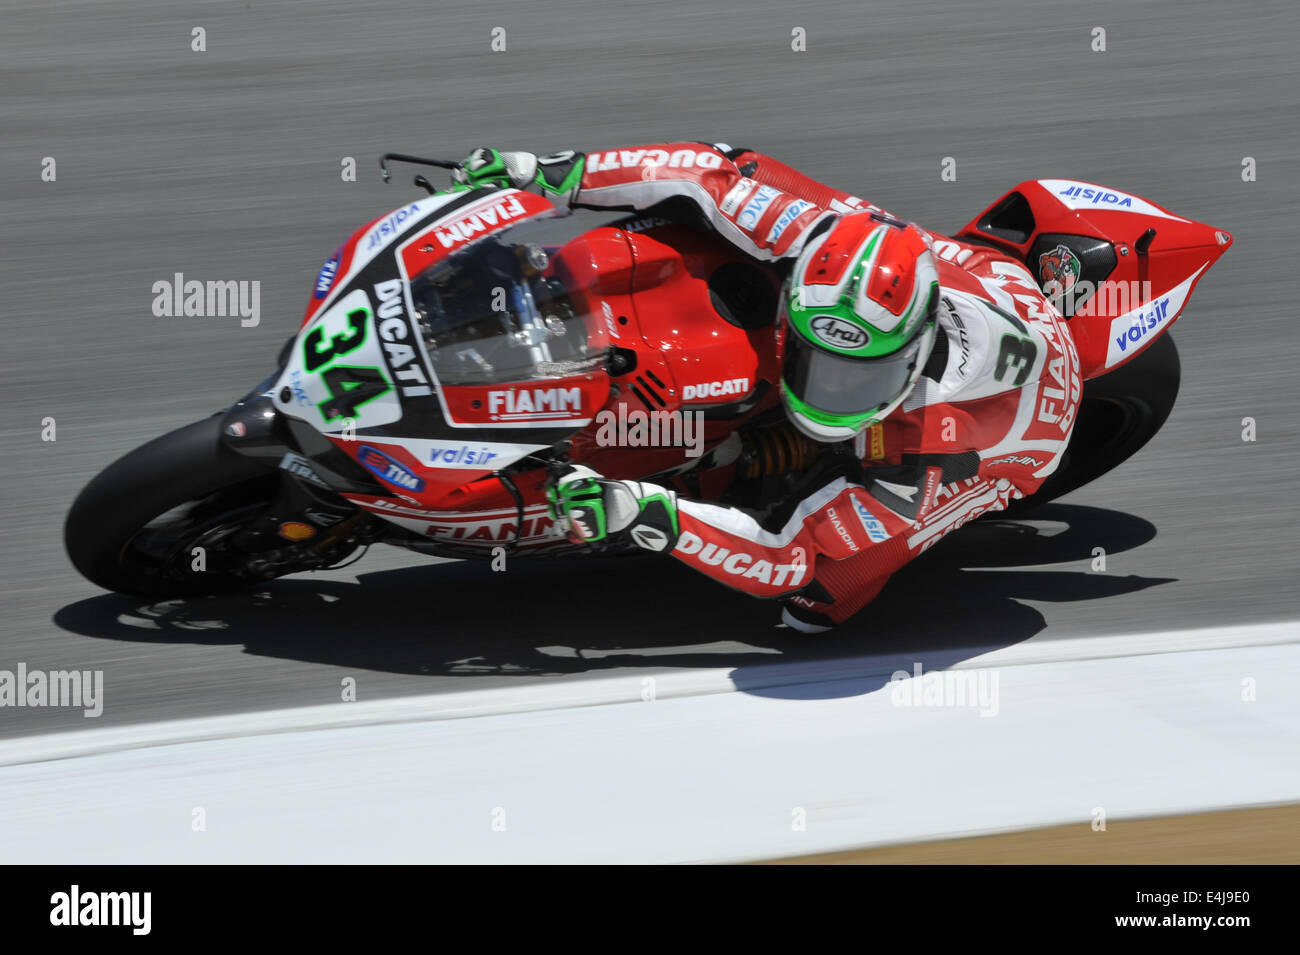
(1119, 413)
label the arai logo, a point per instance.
(838, 333)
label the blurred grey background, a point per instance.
(225, 164)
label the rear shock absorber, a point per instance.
(780, 449)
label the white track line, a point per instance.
(603, 691)
(710, 776)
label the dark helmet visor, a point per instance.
(840, 385)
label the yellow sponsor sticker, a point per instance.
(877, 442)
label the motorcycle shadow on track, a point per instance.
(574, 616)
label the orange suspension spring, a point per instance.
(777, 450)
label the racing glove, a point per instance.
(556, 176)
(598, 509)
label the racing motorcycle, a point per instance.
(461, 348)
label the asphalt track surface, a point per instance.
(225, 165)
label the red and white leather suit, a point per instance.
(986, 423)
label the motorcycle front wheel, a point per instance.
(171, 518)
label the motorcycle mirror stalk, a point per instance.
(420, 180)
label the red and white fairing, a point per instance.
(986, 428)
(1150, 288)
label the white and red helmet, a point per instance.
(858, 324)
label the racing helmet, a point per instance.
(858, 324)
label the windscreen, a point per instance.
(499, 311)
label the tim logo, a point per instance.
(328, 272)
(394, 472)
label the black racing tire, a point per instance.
(108, 521)
(1119, 413)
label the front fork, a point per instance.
(305, 511)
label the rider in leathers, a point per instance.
(952, 376)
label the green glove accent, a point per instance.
(557, 176)
(582, 503)
(484, 167)
(597, 509)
